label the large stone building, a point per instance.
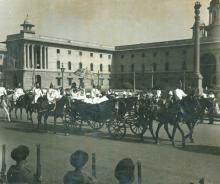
(3, 53)
(145, 65)
(35, 58)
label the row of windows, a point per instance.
(154, 67)
(81, 66)
(167, 53)
(80, 54)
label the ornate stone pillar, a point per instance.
(197, 74)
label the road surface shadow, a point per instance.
(204, 149)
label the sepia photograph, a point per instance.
(109, 92)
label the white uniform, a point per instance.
(52, 95)
(179, 94)
(95, 93)
(37, 94)
(18, 92)
(3, 91)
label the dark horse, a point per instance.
(57, 110)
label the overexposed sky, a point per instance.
(110, 22)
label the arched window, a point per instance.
(122, 68)
(80, 65)
(132, 67)
(101, 67)
(154, 66)
(109, 68)
(58, 64)
(91, 67)
(69, 65)
(167, 66)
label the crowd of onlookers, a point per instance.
(19, 173)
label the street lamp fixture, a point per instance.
(62, 71)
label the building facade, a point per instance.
(3, 52)
(35, 58)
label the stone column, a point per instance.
(46, 57)
(25, 56)
(32, 56)
(197, 74)
(41, 57)
(217, 56)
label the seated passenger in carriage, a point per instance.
(124, 171)
(78, 159)
(20, 173)
(18, 92)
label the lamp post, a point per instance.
(134, 81)
(62, 71)
(184, 79)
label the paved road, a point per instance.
(161, 164)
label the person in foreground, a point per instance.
(78, 159)
(20, 173)
(124, 171)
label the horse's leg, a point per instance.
(27, 113)
(173, 133)
(45, 121)
(6, 111)
(167, 131)
(39, 117)
(189, 135)
(20, 113)
(55, 123)
(151, 129)
(158, 129)
(182, 133)
(16, 116)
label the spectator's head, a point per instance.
(124, 171)
(20, 153)
(78, 159)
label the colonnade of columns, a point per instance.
(35, 56)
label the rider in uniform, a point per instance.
(124, 171)
(52, 95)
(18, 92)
(37, 92)
(20, 173)
(78, 159)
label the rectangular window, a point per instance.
(109, 68)
(109, 56)
(100, 55)
(58, 64)
(0, 68)
(1, 56)
(69, 65)
(70, 81)
(69, 52)
(80, 53)
(91, 54)
(58, 81)
(122, 56)
(58, 51)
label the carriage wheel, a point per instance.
(117, 128)
(73, 124)
(95, 125)
(137, 126)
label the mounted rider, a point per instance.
(18, 93)
(52, 94)
(37, 93)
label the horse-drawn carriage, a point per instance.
(112, 113)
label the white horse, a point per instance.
(5, 105)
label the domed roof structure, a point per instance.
(27, 26)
